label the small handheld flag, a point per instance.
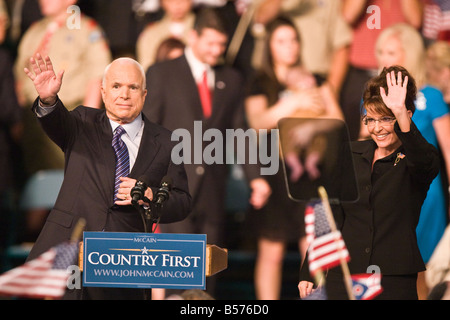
(44, 277)
(47, 275)
(366, 286)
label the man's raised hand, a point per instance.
(46, 82)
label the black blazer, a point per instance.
(380, 228)
(85, 136)
(173, 101)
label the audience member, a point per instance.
(438, 267)
(22, 14)
(4, 21)
(169, 49)
(438, 67)
(368, 18)
(403, 45)
(10, 129)
(240, 20)
(81, 51)
(436, 21)
(133, 16)
(281, 220)
(177, 22)
(77, 46)
(326, 37)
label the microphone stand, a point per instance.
(146, 215)
(149, 216)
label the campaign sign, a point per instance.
(144, 260)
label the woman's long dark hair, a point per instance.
(267, 65)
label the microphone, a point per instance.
(138, 191)
(163, 192)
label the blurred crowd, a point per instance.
(343, 43)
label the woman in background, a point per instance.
(438, 67)
(281, 221)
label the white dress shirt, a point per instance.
(198, 67)
(132, 137)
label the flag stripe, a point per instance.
(53, 279)
(330, 261)
(326, 248)
(321, 251)
(436, 20)
(33, 292)
(43, 277)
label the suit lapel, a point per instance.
(219, 90)
(148, 149)
(186, 81)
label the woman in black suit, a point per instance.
(394, 170)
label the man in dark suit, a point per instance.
(86, 137)
(177, 101)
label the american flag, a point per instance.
(436, 18)
(309, 223)
(366, 286)
(43, 277)
(326, 247)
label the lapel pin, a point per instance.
(220, 85)
(399, 157)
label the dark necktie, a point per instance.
(122, 160)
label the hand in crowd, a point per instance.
(260, 192)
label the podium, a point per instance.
(143, 260)
(216, 259)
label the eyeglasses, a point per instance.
(384, 121)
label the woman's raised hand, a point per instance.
(395, 98)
